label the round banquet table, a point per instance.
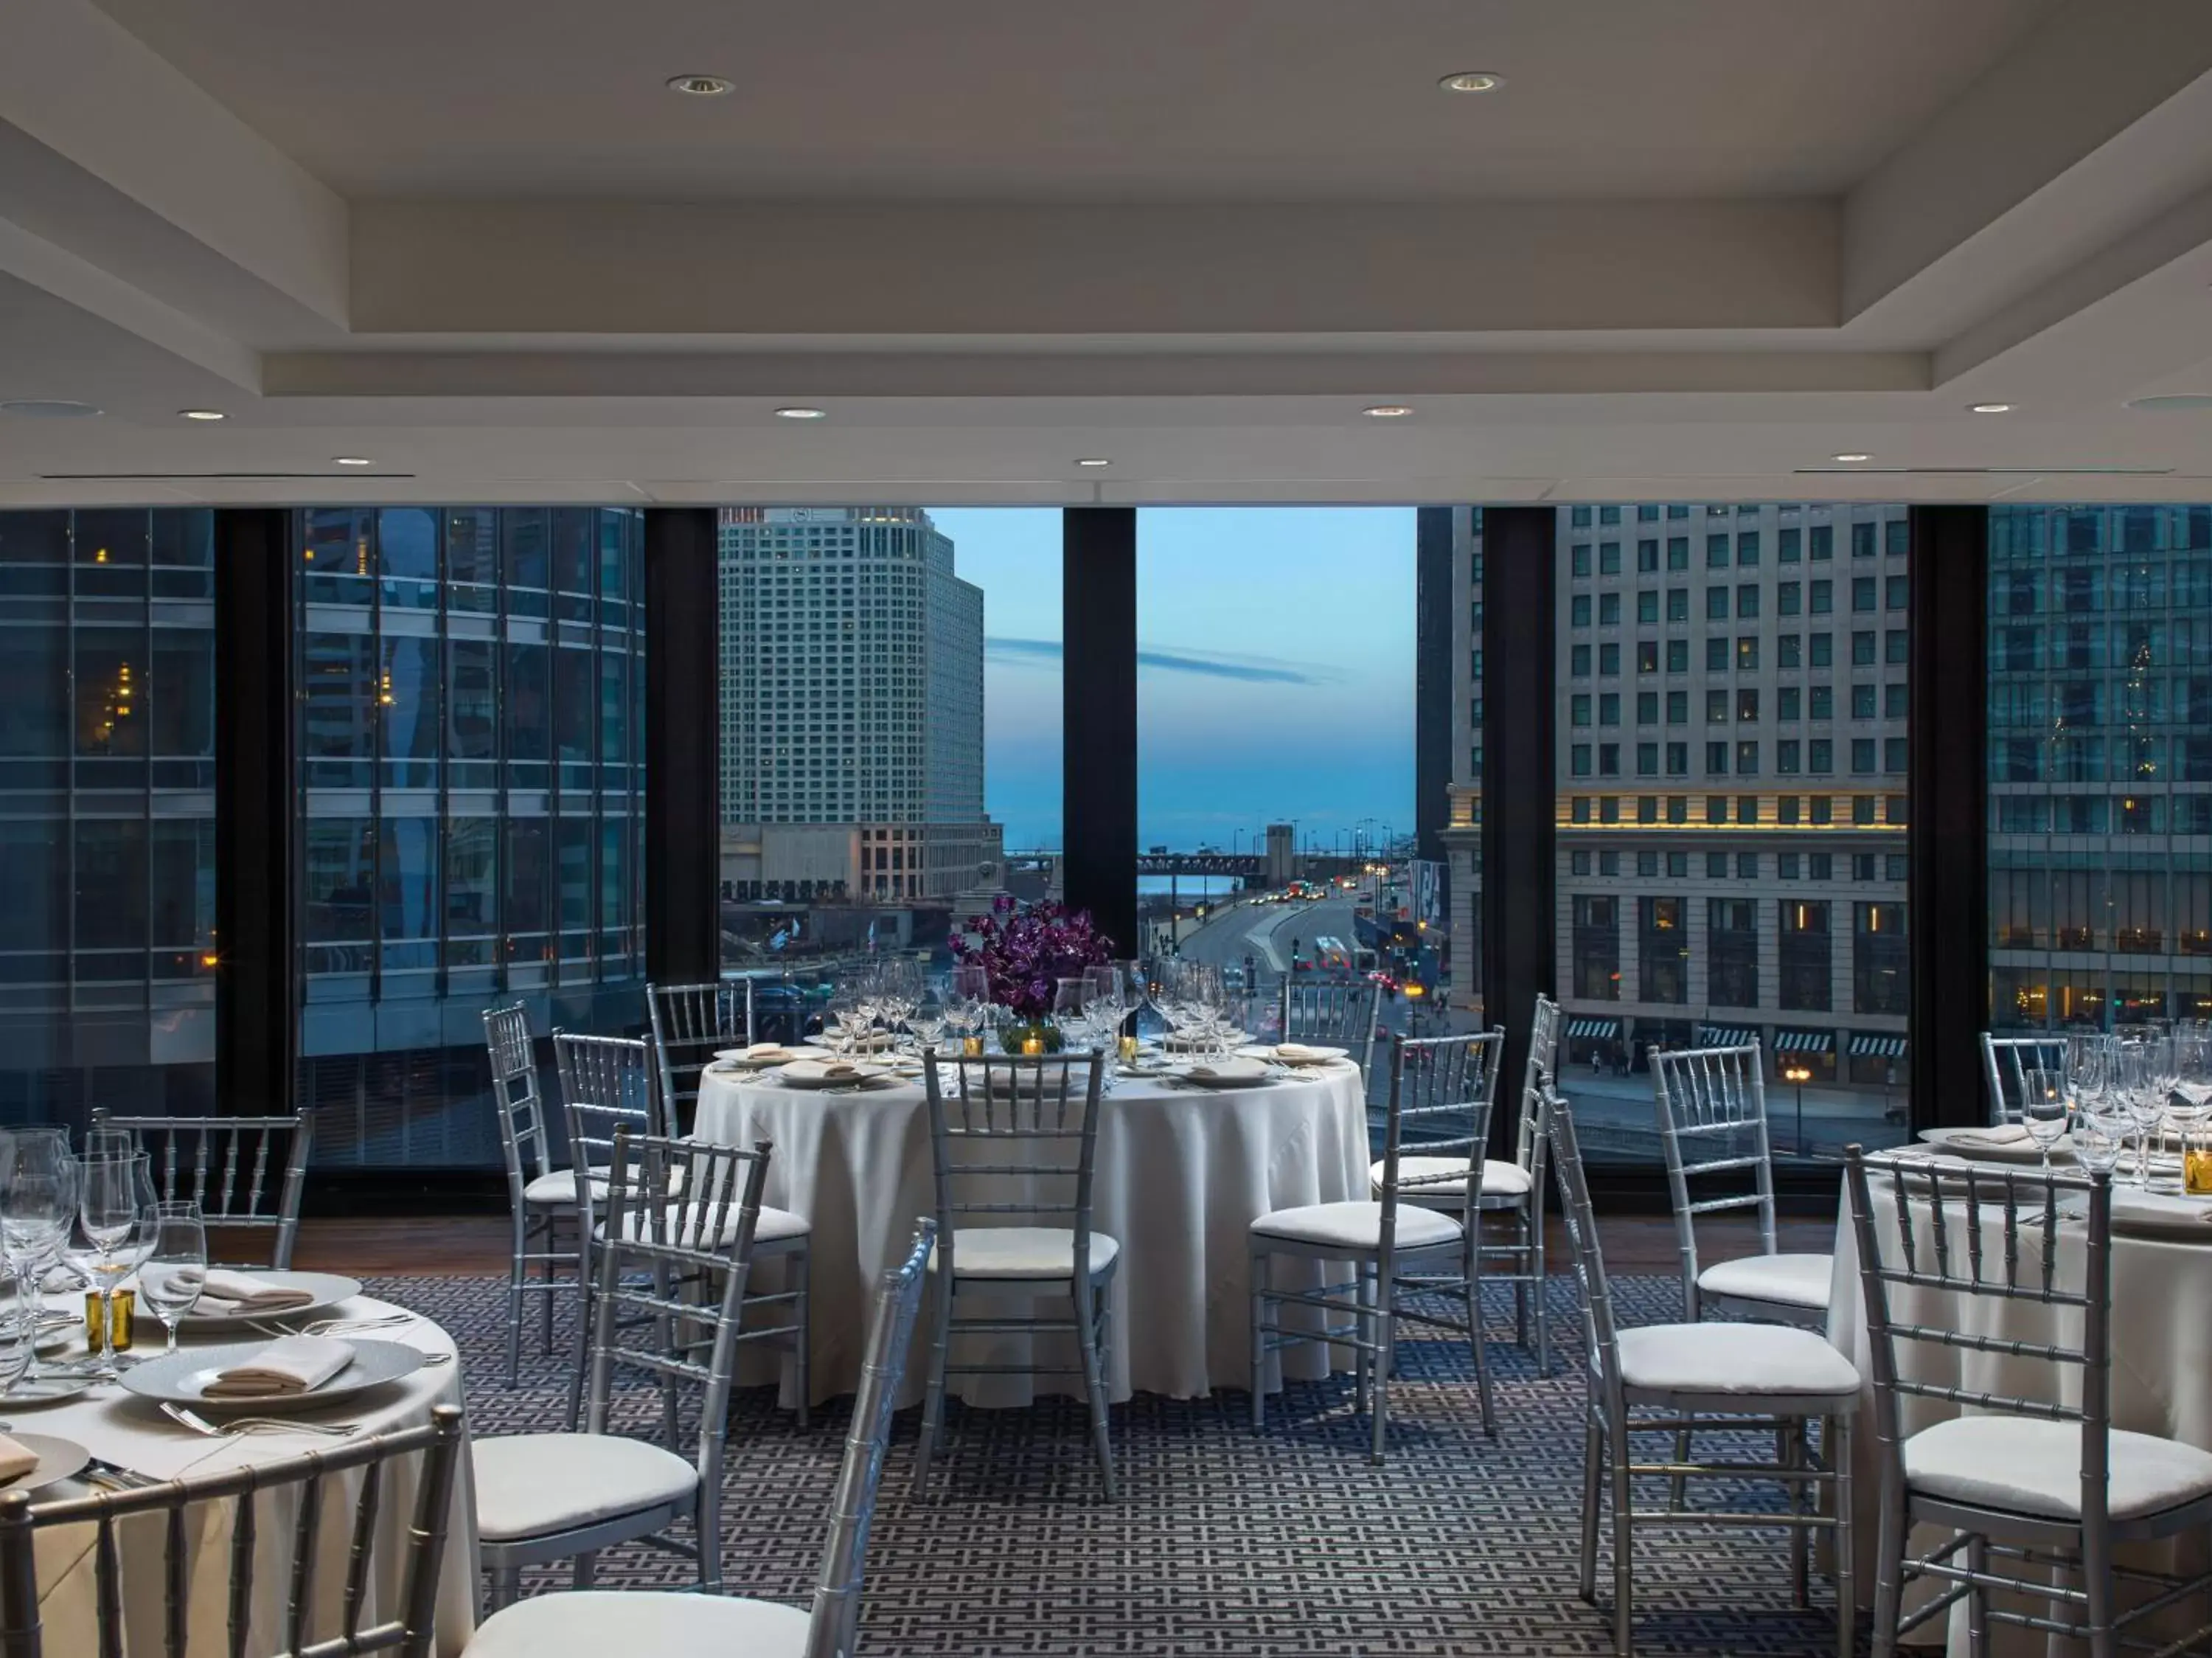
(1181, 1174)
(127, 1432)
(2161, 1361)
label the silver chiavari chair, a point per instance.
(1659, 1378)
(689, 1022)
(1342, 1016)
(594, 1623)
(540, 1198)
(2036, 1493)
(1011, 1148)
(680, 1220)
(1441, 1090)
(320, 1613)
(1711, 1106)
(247, 1172)
(2006, 1061)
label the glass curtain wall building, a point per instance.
(471, 763)
(1731, 757)
(107, 981)
(2101, 766)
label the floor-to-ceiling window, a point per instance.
(1275, 696)
(471, 760)
(107, 947)
(2100, 764)
(1733, 694)
(889, 710)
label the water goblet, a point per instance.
(175, 1269)
(2042, 1109)
(19, 1342)
(2099, 1138)
(2139, 1098)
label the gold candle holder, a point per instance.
(1032, 1045)
(971, 1047)
(1128, 1050)
(109, 1324)
(2197, 1171)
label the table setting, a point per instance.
(174, 1366)
(1202, 1129)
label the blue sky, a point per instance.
(1275, 668)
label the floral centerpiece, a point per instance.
(1026, 953)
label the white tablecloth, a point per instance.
(2162, 1370)
(121, 1429)
(1180, 1175)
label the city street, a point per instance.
(1266, 931)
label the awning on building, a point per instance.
(1804, 1042)
(1589, 1028)
(1724, 1036)
(1877, 1048)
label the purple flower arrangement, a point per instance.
(1027, 952)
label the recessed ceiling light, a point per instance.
(1854, 457)
(698, 86)
(43, 408)
(202, 414)
(2173, 402)
(802, 414)
(1473, 80)
(1387, 411)
(1093, 460)
(1989, 408)
(351, 460)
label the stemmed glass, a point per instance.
(2139, 1097)
(2042, 1108)
(37, 1206)
(117, 1212)
(175, 1270)
(928, 1022)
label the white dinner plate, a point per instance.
(328, 1289)
(1227, 1073)
(183, 1378)
(57, 1459)
(820, 1073)
(1308, 1054)
(36, 1392)
(1991, 1145)
(784, 1055)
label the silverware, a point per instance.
(200, 1424)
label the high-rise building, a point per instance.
(2101, 766)
(1451, 661)
(1731, 797)
(851, 708)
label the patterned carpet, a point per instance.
(1287, 1543)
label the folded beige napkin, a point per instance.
(826, 1070)
(16, 1460)
(1296, 1053)
(1229, 1071)
(247, 1293)
(2004, 1134)
(294, 1364)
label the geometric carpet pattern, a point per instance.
(1221, 1542)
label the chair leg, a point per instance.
(1363, 1355)
(802, 1303)
(1541, 1289)
(516, 1271)
(582, 1356)
(1678, 1488)
(1836, 1445)
(1385, 1354)
(582, 1573)
(1094, 1385)
(506, 1587)
(1623, 1526)
(1977, 1620)
(1791, 1450)
(1474, 1341)
(549, 1294)
(1593, 1494)
(932, 1406)
(1258, 1276)
(2100, 1608)
(1888, 1573)
(707, 1523)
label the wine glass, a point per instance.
(37, 1206)
(19, 1342)
(2042, 1108)
(2141, 1102)
(931, 1018)
(116, 1210)
(175, 1269)
(2100, 1137)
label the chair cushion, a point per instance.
(1024, 1252)
(2035, 1467)
(594, 1622)
(774, 1226)
(1801, 1281)
(528, 1485)
(1498, 1180)
(1752, 1359)
(1357, 1225)
(558, 1188)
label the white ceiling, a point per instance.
(1693, 248)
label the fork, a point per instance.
(200, 1424)
(340, 1327)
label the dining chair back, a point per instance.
(1578, 1219)
(2006, 1061)
(1342, 1016)
(689, 1023)
(316, 1614)
(607, 1083)
(246, 1173)
(860, 1478)
(522, 1135)
(1711, 1105)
